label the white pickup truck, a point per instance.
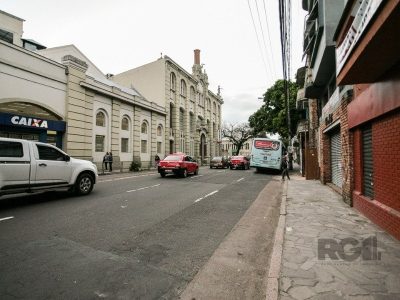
(28, 166)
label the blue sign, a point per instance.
(31, 122)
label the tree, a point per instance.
(237, 134)
(272, 115)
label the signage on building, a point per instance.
(19, 120)
(31, 122)
(363, 12)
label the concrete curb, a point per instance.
(272, 292)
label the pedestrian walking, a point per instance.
(156, 160)
(285, 170)
(110, 161)
(105, 160)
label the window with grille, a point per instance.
(159, 147)
(124, 145)
(99, 143)
(143, 146)
(368, 163)
(144, 128)
(100, 119)
(125, 123)
(159, 130)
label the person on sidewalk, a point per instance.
(285, 170)
(105, 160)
(156, 161)
(110, 161)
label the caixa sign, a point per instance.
(19, 120)
(31, 122)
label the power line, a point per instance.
(265, 45)
(285, 30)
(269, 38)
(258, 40)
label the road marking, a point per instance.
(208, 195)
(128, 177)
(195, 176)
(143, 188)
(7, 218)
(240, 179)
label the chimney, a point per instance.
(197, 57)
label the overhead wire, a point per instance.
(258, 40)
(265, 44)
(269, 38)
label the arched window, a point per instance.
(192, 94)
(144, 128)
(125, 123)
(100, 119)
(183, 88)
(159, 130)
(173, 81)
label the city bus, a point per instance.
(267, 154)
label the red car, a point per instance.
(178, 164)
(240, 162)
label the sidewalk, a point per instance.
(331, 251)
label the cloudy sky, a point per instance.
(120, 35)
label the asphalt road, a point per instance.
(136, 236)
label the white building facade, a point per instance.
(193, 112)
(59, 96)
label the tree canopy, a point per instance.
(272, 115)
(237, 134)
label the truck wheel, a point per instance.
(84, 184)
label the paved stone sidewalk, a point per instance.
(316, 215)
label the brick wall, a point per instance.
(346, 138)
(384, 209)
(386, 145)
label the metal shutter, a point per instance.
(368, 167)
(336, 160)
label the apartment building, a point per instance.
(367, 56)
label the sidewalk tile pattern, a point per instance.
(329, 250)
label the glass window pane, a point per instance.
(100, 119)
(144, 146)
(99, 143)
(11, 149)
(124, 145)
(125, 124)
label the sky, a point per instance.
(239, 39)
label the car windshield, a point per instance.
(216, 159)
(172, 158)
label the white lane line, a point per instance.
(7, 218)
(127, 177)
(144, 188)
(195, 176)
(240, 179)
(208, 195)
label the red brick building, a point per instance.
(368, 57)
